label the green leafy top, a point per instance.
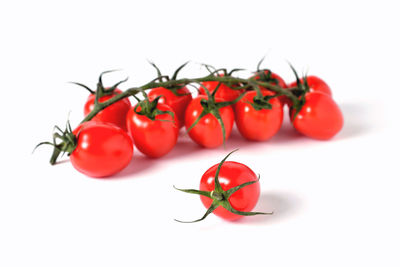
(221, 197)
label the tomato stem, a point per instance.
(185, 81)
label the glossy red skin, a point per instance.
(316, 84)
(319, 118)
(177, 103)
(224, 92)
(115, 113)
(102, 149)
(232, 174)
(258, 125)
(154, 138)
(208, 131)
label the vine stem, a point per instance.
(182, 82)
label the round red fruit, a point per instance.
(153, 137)
(319, 118)
(101, 150)
(232, 174)
(258, 124)
(208, 131)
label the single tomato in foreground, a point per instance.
(319, 118)
(315, 84)
(208, 131)
(154, 132)
(258, 118)
(229, 189)
(178, 102)
(115, 113)
(101, 149)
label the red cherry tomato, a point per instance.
(258, 125)
(319, 118)
(115, 113)
(176, 102)
(208, 131)
(224, 92)
(154, 138)
(316, 85)
(102, 149)
(231, 174)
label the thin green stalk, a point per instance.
(182, 82)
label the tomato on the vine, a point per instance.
(255, 122)
(320, 117)
(208, 130)
(101, 149)
(315, 84)
(115, 113)
(178, 102)
(155, 136)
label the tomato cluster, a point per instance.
(103, 144)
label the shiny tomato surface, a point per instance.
(208, 131)
(154, 138)
(102, 149)
(232, 174)
(319, 118)
(258, 125)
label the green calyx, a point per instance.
(63, 142)
(262, 102)
(302, 88)
(100, 89)
(221, 197)
(210, 106)
(265, 75)
(149, 108)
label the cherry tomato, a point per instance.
(231, 174)
(258, 125)
(319, 118)
(102, 149)
(177, 102)
(316, 85)
(154, 138)
(208, 131)
(224, 92)
(115, 113)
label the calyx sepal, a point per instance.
(64, 141)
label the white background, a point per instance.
(336, 203)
